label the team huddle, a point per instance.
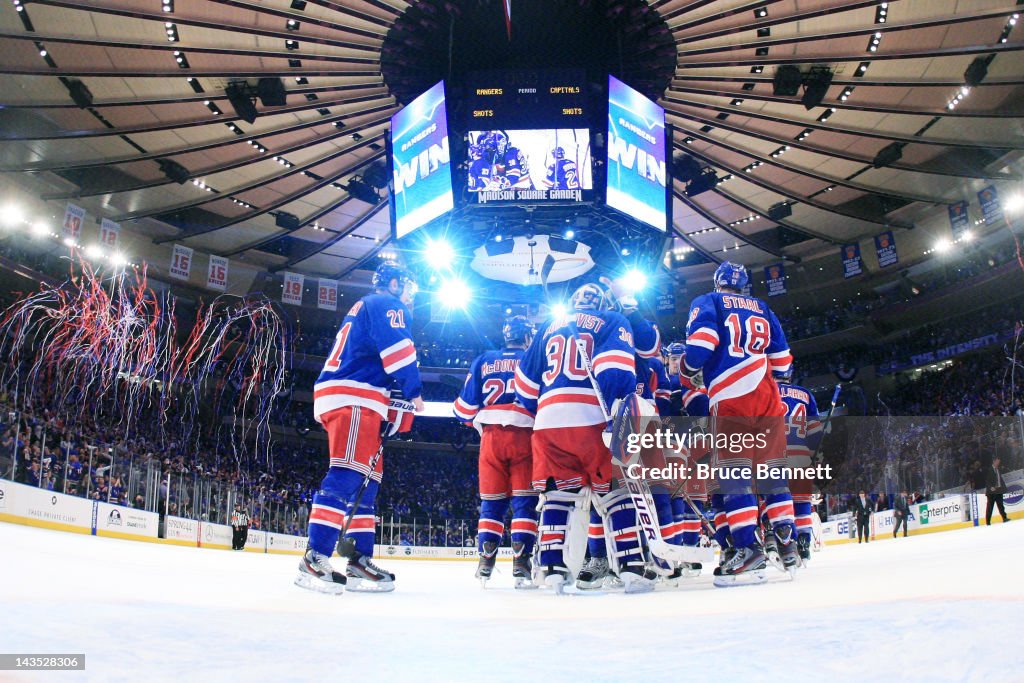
(552, 408)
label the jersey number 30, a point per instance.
(564, 357)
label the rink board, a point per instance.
(31, 506)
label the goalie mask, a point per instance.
(589, 297)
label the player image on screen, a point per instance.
(562, 173)
(504, 160)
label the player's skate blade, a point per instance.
(638, 580)
(317, 574)
(522, 568)
(556, 579)
(745, 566)
(366, 577)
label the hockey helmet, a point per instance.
(589, 297)
(785, 375)
(517, 330)
(388, 272)
(731, 276)
(676, 349)
(559, 153)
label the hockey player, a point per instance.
(554, 380)
(804, 432)
(694, 402)
(733, 344)
(562, 174)
(480, 177)
(488, 401)
(647, 340)
(372, 353)
(510, 168)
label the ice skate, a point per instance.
(592, 574)
(317, 574)
(366, 577)
(637, 578)
(522, 568)
(744, 567)
(486, 565)
(803, 547)
(726, 555)
(556, 577)
(787, 548)
(691, 569)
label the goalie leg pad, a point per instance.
(624, 532)
(679, 508)
(596, 543)
(492, 521)
(330, 506)
(555, 512)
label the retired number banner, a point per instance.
(293, 284)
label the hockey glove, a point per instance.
(694, 375)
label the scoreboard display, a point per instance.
(524, 98)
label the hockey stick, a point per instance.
(828, 419)
(346, 545)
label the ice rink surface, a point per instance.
(937, 607)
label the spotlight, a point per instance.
(94, 252)
(11, 215)
(967, 236)
(119, 260)
(559, 310)
(70, 242)
(634, 281)
(454, 294)
(40, 230)
(1014, 203)
(569, 234)
(439, 255)
(943, 245)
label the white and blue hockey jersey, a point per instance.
(736, 339)
(652, 384)
(804, 428)
(373, 352)
(488, 396)
(552, 381)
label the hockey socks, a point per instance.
(492, 522)
(741, 513)
(779, 510)
(524, 522)
(802, 510)
(691, 523)
(330, 505)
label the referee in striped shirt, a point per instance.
(239, 528)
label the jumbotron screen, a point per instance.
(529, 165)
(420, 162)
(637, 174)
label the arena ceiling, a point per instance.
(157, 71)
